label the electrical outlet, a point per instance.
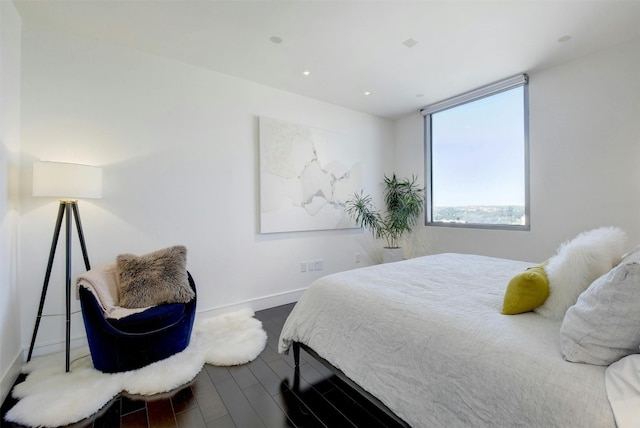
(357, 257)
(318, 265)
(303, 266)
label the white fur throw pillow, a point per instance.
(577, 264)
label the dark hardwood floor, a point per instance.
(258, 394)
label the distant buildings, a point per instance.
(490, 214)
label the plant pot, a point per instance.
(390, 255)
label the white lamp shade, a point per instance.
(66, 180)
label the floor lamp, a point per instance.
(69, 182)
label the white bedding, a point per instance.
(427, 338)
(622, 379)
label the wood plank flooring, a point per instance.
(258, 394)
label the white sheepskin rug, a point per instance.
(50, 397)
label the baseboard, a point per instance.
(256, 304)
(9, 376)
(54, 347)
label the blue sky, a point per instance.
(478, 152)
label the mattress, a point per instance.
(426, 337)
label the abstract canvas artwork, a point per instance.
(306, 175)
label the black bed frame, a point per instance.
(343, 377)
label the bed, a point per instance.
(426, 337)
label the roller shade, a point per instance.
(484, 91)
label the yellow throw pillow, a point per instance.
(526, 291)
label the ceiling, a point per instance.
(353, 47)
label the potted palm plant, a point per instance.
(404, 201)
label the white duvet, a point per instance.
(427, 338)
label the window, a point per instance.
(477, 166)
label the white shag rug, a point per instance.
(50, 397)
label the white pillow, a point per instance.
(604, 324)
(622, 380)
(577, 264)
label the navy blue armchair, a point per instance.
(119, 345)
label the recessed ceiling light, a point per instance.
(367, 93)
(306, 72)
(275, 39)
(564, 39)
(410, 43)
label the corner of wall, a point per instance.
(10, 78)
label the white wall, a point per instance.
(584, 155)
(179, 147)
(9, 204)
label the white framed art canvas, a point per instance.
(306, 176)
